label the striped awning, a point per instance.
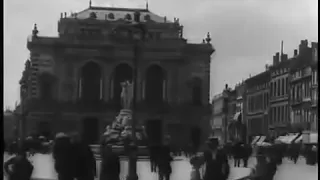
(255, 140)
(298, 139)
(261, 139)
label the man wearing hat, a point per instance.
(216, 161)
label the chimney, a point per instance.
(303, 46)
(267, 67)
(295, 52)
(276, 59)
(226, 86)
(284, 57)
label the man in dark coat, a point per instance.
(85, 163)
(110, 166)
(21, 168)
(164, 163)
(64, 157)
(216, 162)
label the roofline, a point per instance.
(117, 9)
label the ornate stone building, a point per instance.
(257, 104)
(279, 116)
(301, 87)
(74, 79)
(314, 88)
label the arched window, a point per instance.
(91, 82)
(197, 91)
(155, 86)
(122, 73)
(128, 17)
(147, 17)
(111, 16)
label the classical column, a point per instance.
(164, 92)
(111, 89)
(143, 89)
(101, 89)
(80, 88)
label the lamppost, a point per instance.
(138, 32)
(23, 91)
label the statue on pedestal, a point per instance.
(126, 94)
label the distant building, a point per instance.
(279, 116)
(9, 126)
(257, 104)
(236, 124)
(219, 118)
(74, 79)
(315, 90)
(301, 87)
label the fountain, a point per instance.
(119, 133)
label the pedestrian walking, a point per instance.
(164, 163)
(64, 157)
(18, 167)
(110, 165)
(85, 163)
(216, 166)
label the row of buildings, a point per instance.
(282, 99)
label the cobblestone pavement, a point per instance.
(181, 169)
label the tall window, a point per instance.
(283, 87)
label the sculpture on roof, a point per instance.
(208, 39)
(35, 30)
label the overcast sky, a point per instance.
(245, 33)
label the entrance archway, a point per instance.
(155, 85)
(122, 73)
(91, 82)
(90, 130)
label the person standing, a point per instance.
(85, 163)
(64, 157)
(164, 161)
(110, 166)
(18, 167)
(215, 162)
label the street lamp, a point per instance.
(23, 91)
(138, 32)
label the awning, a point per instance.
(314, 138)
(290, 138)
(261, 139)
(236, 116)
(298, 140)
(255, 140)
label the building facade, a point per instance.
(257, 104)
(301, 88)
(279, 116)
(314, 88)
(220, 116)
(236, 124)
(74, 79)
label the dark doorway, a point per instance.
(155, 78)
(91, 78)
(44, 129)
(154, 131)
(197, 91)
(122, 73)
(90, 130)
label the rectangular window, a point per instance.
(287, 86)
(279, 87)
(272, 89)
(282, 87)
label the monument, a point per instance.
(120, 132)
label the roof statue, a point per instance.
(35, 30)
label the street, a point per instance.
(44, 169)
